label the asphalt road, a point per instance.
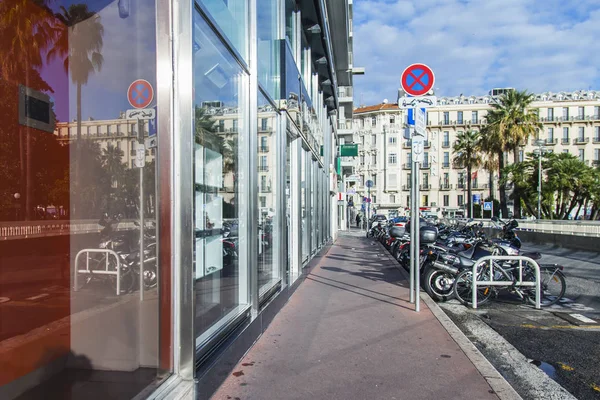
(562, 348)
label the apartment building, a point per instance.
(570, 120)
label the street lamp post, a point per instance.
(540, 144)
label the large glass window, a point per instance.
(232, 18)
(268, 238)
(305, 204)
(220, 88)
(268, 47)
(67, 331)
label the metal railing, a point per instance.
(519, 282)
(106, 270)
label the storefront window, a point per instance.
(314, 204)
(232, 18)
(268, 47)
(304, 204)
(268, 217)
(221, 273)
(80, 310)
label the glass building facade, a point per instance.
(168, 174)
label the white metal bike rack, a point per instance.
(106, 271)
(492, 282)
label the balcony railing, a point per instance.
(458, 166)
(264, 149)
(263, 168)
(425, 165)
(581, 140)
(595, 163)
(407, 144)
(596, 139)
(265, 190)
(425, 187)
(551, 141)
(446, 165)
(445, 186)
(427, 144)
(564, 140)
(406, 165)
(445, 144)
(461, 186)
(474, 185)
(405, 187)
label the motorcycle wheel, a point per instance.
(553, 287)
(127, 279)
(462, 289)
(439, 284)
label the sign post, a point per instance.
(369, 185)
(140, 94)
(416, 80)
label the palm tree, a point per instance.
(510, 123)
(468, 154)
(79, 45)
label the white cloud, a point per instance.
(473, 46)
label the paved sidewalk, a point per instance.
(349, 332)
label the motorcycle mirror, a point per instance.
(136, 223)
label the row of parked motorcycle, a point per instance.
(448, 253)
(126, 244)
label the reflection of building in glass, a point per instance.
(119, 133)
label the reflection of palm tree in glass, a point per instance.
(80, 47)
(112, 162)
(27, 29)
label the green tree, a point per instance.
(510, 123)
(468, 154)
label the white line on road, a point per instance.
(39, 296)
(4, 299)
(583, 318)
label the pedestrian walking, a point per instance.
(358, 220)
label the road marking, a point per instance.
(583, 318)
(560, 326)
(4, 299)
(39, 296)
(595, 387)
(566, 367)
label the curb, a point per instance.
(499, 385)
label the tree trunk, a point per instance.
(502, 188)
(75, 181)
(491, 183)
(516, 196)
(29, 180)
(470, 196)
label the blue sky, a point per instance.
(475, 45)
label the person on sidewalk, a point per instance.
(358, 220)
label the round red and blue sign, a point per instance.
(140, 93)
(417, 79)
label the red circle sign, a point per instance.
(140, 93)
(417, 79)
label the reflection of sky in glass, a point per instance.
(129, 52)
(215, 71)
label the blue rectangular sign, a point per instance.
(411, 116)
(152, 124)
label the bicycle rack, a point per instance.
(520, 282)
(87, 270)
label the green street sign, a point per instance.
(349, 150)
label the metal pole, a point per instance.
(368, 205)
(141, 140)
(412, 230)
(417, 243)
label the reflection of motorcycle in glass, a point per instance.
(126, 245)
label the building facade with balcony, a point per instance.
(570, 123)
